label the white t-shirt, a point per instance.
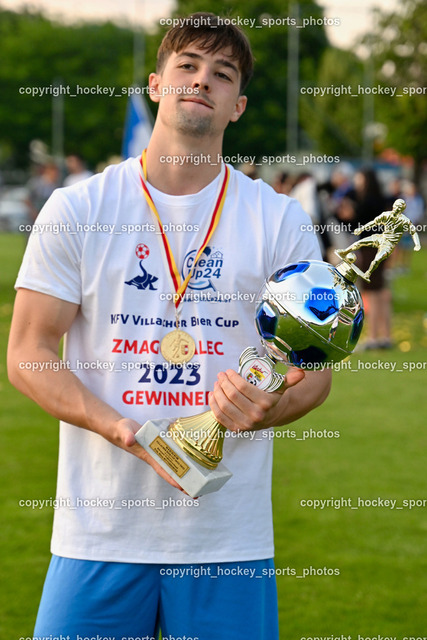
(85, 249)
(72, 178)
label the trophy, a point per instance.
(308, 315)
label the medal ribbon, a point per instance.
(179, 286)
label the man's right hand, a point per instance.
(123, 436)
(38, 324)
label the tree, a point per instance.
(399, 48)
(334, 120)
(36, 52)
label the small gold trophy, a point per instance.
(190, 449)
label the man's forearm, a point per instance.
(59, 392)
(64, 396)
(302, 398)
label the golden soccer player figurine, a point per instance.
(394, 224)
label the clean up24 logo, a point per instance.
(207, 270)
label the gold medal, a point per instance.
(177, 346)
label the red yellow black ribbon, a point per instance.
(179, 286)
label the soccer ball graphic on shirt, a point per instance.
(142, 251)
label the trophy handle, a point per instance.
(202, 436)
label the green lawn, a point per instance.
(379, 552)
(377, 555)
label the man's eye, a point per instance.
(186, 65)
(224, 76)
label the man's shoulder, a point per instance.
(109, 178)
(270, 202)
(87, 198)
(250, 188)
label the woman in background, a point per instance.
(367, 202)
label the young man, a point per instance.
(130, 552)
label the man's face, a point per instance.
(209, 97)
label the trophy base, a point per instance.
(191, 476)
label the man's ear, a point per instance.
(239, 108)
(154, 81)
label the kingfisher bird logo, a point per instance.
(146, 281)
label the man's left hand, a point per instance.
(241, 406)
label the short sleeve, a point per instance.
(51, 262)
(296, 239)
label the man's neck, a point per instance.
(182, 166)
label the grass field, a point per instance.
(369, 563)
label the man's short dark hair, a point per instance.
(211, 33)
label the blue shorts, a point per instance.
(86, 600)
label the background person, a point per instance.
(76, 169)
(367, 202)
(415, 209)
(338, 209)
(41, 186)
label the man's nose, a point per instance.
(202, 80)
